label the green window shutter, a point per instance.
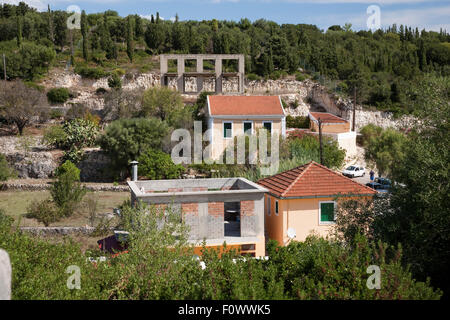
(327, 212)
(268, 126)
(247, 127)
(227, 127)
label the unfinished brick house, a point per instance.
(227, 210)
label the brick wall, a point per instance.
(216, 209)
(189, 209)
(247, 208)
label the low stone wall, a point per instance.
(46, 186)
(59, 231)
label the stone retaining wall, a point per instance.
(57, 231)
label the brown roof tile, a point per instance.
(327, 117)
(311, 180)
(245, 105)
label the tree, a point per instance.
(84, 31)
(51, 34)
(161, 103)
(130, 43)
(5, 171)
(19, 30)
(20, 104)
(158, 165)
(67, 191)
(125, 140)
(386, 149)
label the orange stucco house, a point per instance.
(304, 200)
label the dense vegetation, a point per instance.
(381, 64)
(314, 269)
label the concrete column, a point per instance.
(199, 64)
(200, 80)
(218, 70)
(180, 72)
(241, 73)
(5, 276)
(163, 67)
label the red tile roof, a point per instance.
(327, 117)
(245, 105)
(312, 180)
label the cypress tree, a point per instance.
(84, 34)
(130, 44)
(19, 31)
(51, 34)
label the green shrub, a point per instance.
(300, 76)
(297, 122)
(157, 165)
(67, 191)
(91, 72)
(100, 91)
(55, 114)
(126, 139)
(58, 95)
(5, 171)
(44, 211)
(114, 81)
(253, 77)
(54, 136)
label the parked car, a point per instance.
(377, 186)
(386, 183)
(354, 171)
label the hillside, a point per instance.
(382, 66)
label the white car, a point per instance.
(354, 171)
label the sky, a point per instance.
(428, 14)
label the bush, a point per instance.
(55, 114)
(91, 72)
(114, 81)
(44, 211)
(100, 91)
(54, 136)
(5, 171)
(297, 122)
(253, 77)
(58, 95)
(67, 191)
(126, 139)
(157, 165)
(300, 76)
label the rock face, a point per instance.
(5, 276)
(94, 167)
(29, 157)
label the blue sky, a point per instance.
(429, 14)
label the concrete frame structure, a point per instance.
(202, 206)
(200, 75)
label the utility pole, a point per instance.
(354, 110)
(4, 66)
(320, 141)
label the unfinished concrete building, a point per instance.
(202, 79)
(222, 210)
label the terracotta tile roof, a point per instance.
(311, 180)
(245, 105)
(327, 117)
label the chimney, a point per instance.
(134, 170)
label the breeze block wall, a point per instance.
(191, 218)
(215, 220)
(248, 219)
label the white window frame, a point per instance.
(269, 205)
(271, 125)
(223, 129)
(253, 126)
(277, 207)
(325, 223)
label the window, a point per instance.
(227, 130)
(248, 127)
(276, 207)
(268, 126)
(326, 212)
(268, 205)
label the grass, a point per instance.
(15, 204)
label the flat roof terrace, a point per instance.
(195, 190)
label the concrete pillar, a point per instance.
(241, 73)
(5, 276)
(163, 67)
(180, 72)
(199, 64)
(200, 80)
(216, 228)
(218, 70)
